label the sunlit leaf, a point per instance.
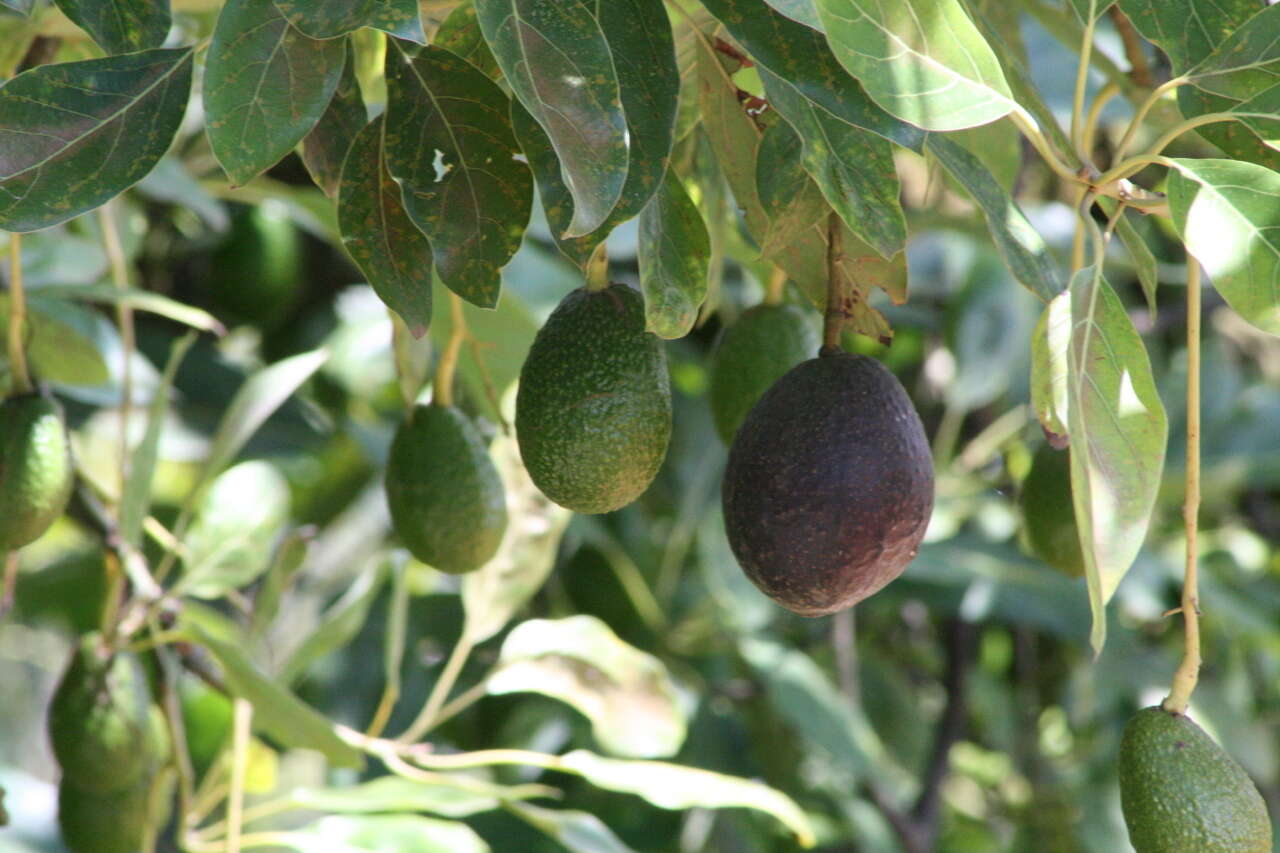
(1050, 346)
(325, 148)
(577, 832)
(673, 254)
(120, 26)
(382, 833)
(450, 796)
(1244, 61)
(1261, 114)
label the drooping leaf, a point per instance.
(673, 253)
(556, 58)
(577, 832)
(401, 833)
(627, 694)
(325, 148)
(448, 142)
(326, 19)
(75, 135)
(378, 233)
(1227, 215)
(265, 86)
(120, 26)
(1187, 30)
(791, 201)
(921, 60)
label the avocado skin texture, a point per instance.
(446, 497)
(103, 822)
(35, 468)
(102, 726)
(751, 355)
(1181, 793)
(829, 485)
(1048, 514)
(593, 411)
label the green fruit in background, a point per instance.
(36, 473)
(101, 722)
(257, 270)
(1049, 517)
(206, 719)
(447, 500)
(104, 822)
(751, 355)
(1181, 793)
(593, 411)
(829, 485)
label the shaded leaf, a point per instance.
(1236, 139)
(791, 201)
(1261, 114)
(557, 203)
(674, 251)
(399, 833)
(627, 694)
(265, 86)
(138, 300)
(987, 329)
(326, 19)
(451, 796)
(1244, 61)
(460, 34)
(75, 135)
(120, 26)
(448, 142)
(379, 235)
(1187, 30)
(1144, 260)
(578, 832)
(554, 55)
(339, 625)
(65, 343)
(1226, 213)
(325, 147)
(804, 11)
(285, 565)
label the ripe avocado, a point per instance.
(446, 497)
(35, 468)
(1181, 792)
(101, 722)
(1049, 517)
(751, 355)
(829, 485)
(103, 822)
(593, 411)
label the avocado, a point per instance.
(257, 270)
(446, 497)
(829, 484)
(752, 354)
(593, 411)
(101, 722)
(36, 473)
(1180, 792)
(104, 822)
(206, 720)
(1049, 517)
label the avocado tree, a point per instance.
(426, 425)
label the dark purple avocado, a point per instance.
(829, 485)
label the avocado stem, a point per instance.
(17, 318)
(597, 269)
(777, 287)
(443, 391)
(833, 320)
(1188, 672)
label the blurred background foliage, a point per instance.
(978, 645)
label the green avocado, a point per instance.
(1181, 793)
(206, 719)
(593, 411)
(257, 270)
(102, 726)
(104, 822)
(829, 485)
(36, 473)
(446, 497)
(751, 355)
(1049, 517)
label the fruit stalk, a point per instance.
(777, 286)
(17, 318)
(597, 269)
(443, 392)
(833, 319)
(1188, 672)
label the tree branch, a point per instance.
(959, 644)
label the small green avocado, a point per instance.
(207, 721)
(36, 473)
(1049, 517)
(829, 484)
(1181, 793)
(593, 411)
(104, 822)
(257, 271)
(446, 497)
(102, 725)
(751, 355)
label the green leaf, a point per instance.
(460, 34)
(339, 624)
(1050, 345)
(1187, 30)
(921, 60)
(557, 203)
(325, 148)
(554, 55)
(138, 300)
(1261, 114)
(121, 26)
(673, 253)
(1236, 138)
(65, 343)
(804, 11)
(853, 167)
(1226, 213)
(791, 201)
(379, 235)
(265, 86)
(285, 565)
(1244, 61)
(1023, 249)
(450, 796)
(1144, 261)
(382, 833)
(75, 135)
(22, 7)
(578, 832)
(627, 694)
(276, 712)
(448, 142)
(1118, 431)
(987, 328)
(326, 19)
(673, 786)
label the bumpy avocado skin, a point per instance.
(35, 468)
(751, 355)
(829, 485)
(446, 497)
(1181, 792)
(593, 412)
(1048, 513)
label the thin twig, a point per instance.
(440, 691)
(959, 642)
(833, 320)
